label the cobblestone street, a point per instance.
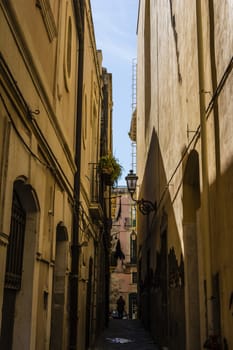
(125, 334)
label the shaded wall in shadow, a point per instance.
(161, 262)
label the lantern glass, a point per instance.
(131, 180)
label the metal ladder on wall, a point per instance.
(133, 107)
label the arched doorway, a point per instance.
(59, 290)
(132, 306)
(89, 303)
(191, 204)
(18, 286)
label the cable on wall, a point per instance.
(20, 136)
(27, 147)
(197, 132)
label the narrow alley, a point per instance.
(125, 334)
(98, 253)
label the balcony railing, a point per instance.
(96, 193)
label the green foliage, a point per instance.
(110, 166)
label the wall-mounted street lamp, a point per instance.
(144, 206)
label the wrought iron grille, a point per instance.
(96, 185)
(16, 245)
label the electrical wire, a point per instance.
(20, 136)
(197, 132)
(29, 112)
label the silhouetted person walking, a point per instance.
(120, 306)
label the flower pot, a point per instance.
(107, 179)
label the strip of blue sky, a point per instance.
(115, 31)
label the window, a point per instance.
(85, 122)
(133, 216)
(69, 46)
(133, 248)
(134, 277)
(127, 222)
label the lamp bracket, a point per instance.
(146, 207)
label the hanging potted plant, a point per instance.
(110, 169)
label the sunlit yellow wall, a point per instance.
(181, 79)
(34, 78)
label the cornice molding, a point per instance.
(13, 93)
(47, 15)
(89, 19)
(35, 75)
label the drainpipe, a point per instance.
(205, 177)
(75, 250)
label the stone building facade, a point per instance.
(184, 162)
(123, 261)
(94, 219)
(53, 230)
